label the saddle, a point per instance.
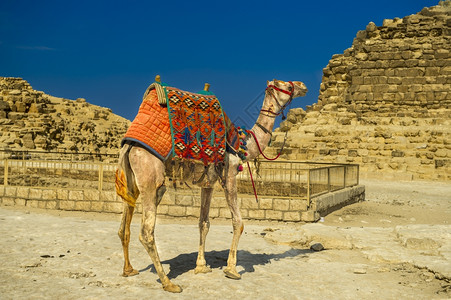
(186, 125)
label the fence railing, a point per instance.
(283, 179)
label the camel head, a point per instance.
(280, 93)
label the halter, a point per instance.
(270, 89)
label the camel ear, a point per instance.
(267, 82)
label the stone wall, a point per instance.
(182, 204)
(384, 103)
(33, 120)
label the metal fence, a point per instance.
(283, 179)
(296, 179)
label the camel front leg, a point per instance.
(238, 227)
(204, 226)
(147, 238)
(124, 235)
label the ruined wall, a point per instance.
(33, 120)
(384, 103)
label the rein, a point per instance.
(270, 89)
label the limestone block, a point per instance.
(176, 211)
(22, 192)
(291, 216)
(76, 195)
(258, 214)
(225, 213)
(91, 194)
(281, 204)
(35, 194)
(249, 203)
(50, 204)
(164, 209)
(193, 212)
(265, 203)
(184, 200)
(49, 194)
(67, 205)
(273, 215)
(62, 194)
(97, 206)
(115, 207)
(214, 212)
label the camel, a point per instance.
(149, 178)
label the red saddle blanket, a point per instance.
(191, 126)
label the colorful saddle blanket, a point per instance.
(191, 126)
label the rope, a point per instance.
(252, 180)
(260, 150)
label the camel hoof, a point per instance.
(173, 288)
(202, 269)
(128, 273)
(232, 273)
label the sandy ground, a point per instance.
(395, 245)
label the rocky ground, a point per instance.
(395, 245)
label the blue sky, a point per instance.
(108, 52)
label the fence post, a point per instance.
(328, 178)
(100, 176)
(308, 188)
(5, 178)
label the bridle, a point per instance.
(270, 90)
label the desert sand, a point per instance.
(394, 245)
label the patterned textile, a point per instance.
(198, 126)
(151, 127)
(233, 138)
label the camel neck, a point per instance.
(263, 136)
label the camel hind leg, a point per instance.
(204, 226)
(124, 235)
(149, 173)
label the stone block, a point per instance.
(76, 195)
(281, 204)
(10, 191)
(62, 194)
(108, 196)
(67, 205)
(35, 194)
(97, 206)
(163, 209)
(114, 207)
(293, 216)
(20, 202)
(92, 195)
(176, 211)
(265, 203)
(49, 194)
(258, 214)
(168, 199)
(310, 216)
(51, 204)
(193, 212)
(225, 213)
(8, 201)
(218, 201)
(33, 203)
(42, 204)
(273, 215)
(298, 205)
(82, 205)
(22, 192)
(184, 200)
(249, 203)
(214, 212)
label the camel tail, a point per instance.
(125, 179)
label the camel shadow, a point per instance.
(218, 259)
